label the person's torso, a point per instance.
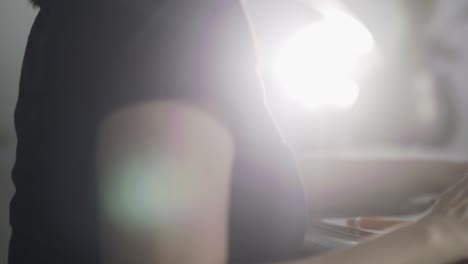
(54, 210)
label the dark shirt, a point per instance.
(88, 58)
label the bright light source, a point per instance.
(319, 64)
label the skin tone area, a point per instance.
(164, 172)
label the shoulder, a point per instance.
(169, 125)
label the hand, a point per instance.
(447, 222)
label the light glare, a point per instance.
(319, 64)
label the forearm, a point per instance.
(409, 245)
(163, 183)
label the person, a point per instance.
(143, 138)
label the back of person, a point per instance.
(87, 59)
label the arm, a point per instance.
(440, 237)
(164, 172)
(164, 186)
(408, 245)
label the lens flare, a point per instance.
(143, 195)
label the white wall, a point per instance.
(16, 17)
(451, 27)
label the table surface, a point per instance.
(347, 186)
